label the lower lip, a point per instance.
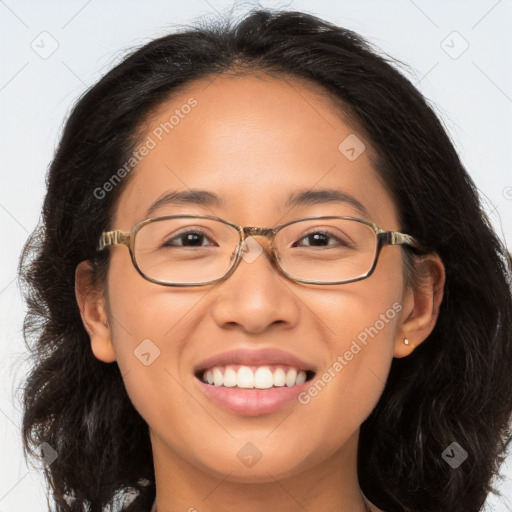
(252, 402)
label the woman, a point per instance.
(355, 357)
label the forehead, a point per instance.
(254, 142)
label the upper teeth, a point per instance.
(261, 377)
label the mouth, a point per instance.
(254, 377)
(253, 382)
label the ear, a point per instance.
(91, 303)
(421, 305)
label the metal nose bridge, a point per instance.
(269, 233)
(256, 231)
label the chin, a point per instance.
(262, 468)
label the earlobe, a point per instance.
(91, 304)
(422, 306)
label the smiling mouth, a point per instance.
(254, 377)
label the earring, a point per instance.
(406, 341)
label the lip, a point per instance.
(252, 402)
(261, 357)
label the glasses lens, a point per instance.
(185, 250)
(327, 250)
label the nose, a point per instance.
(256, 295)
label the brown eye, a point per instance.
(191, 238)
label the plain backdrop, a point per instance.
(458, 52)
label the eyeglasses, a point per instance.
(196, 250)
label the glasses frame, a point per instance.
(118, 237)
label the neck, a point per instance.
(331, 486)
(367, 505)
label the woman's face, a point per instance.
(253, 143)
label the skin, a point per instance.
(253, 141)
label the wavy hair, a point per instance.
(455, 387)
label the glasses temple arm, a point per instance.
(109, 238)
(397, 238)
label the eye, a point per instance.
(191, 238)
(321, 239)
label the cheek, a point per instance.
(364, 313)
(149, 326)
(360, 322)
(143, 310)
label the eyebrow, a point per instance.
(324, 196)
(191, 197)
(197, 197)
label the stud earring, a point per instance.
(406, 341)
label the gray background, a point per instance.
(458, 51)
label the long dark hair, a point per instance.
(455, 387)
